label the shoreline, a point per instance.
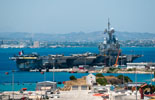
(132, 72)
(70, 71)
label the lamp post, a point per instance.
(151, 74)
(123, 73)
(151, 77)
(45, 74)
(136, 81)
(13, 84)
(53, 72)
(45, 80)
(53, 68)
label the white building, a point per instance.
(36, 44)
(48, 85)
(90, 79)
(12, 46)
(136, 65)
(151, 65)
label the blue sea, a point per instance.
(29, 79)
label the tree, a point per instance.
(126, 78)
(101, 81)
(72, 77)
(129, 69)
(113, 70)
(120, 77)
(99, 75)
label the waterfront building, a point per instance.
(137, 65)
(90, 79)
(46, 85)
(151, 65)
(36, 44)
(12, 46)
(98, 68)
(80, 87)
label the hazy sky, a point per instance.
(64, 16)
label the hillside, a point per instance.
(75, 36)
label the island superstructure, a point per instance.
(109, 55)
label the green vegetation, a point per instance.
(126, 78)
(101, 81)
(113, 70)
(72, 77)
(99, 75)
(134, 69)
(129, 69)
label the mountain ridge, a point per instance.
(75, 36)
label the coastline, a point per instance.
(132, 72)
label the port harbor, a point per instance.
(132, 82)
(77, 50)
(143, 68)
(107, 75)
(89, 87)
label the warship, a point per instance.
(109, 55)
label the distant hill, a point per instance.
(75, 36)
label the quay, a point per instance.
(51, 70)
(85, 88)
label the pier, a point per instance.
(50, 70)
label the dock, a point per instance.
(50, 70)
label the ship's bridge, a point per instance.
(110, 46)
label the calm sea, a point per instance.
(24, 79)
(29, 79)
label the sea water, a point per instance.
(29, 79)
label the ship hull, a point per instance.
(70, 61)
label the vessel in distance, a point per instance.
(109, 55)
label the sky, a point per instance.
(65, 16)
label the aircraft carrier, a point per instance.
(109, 55)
